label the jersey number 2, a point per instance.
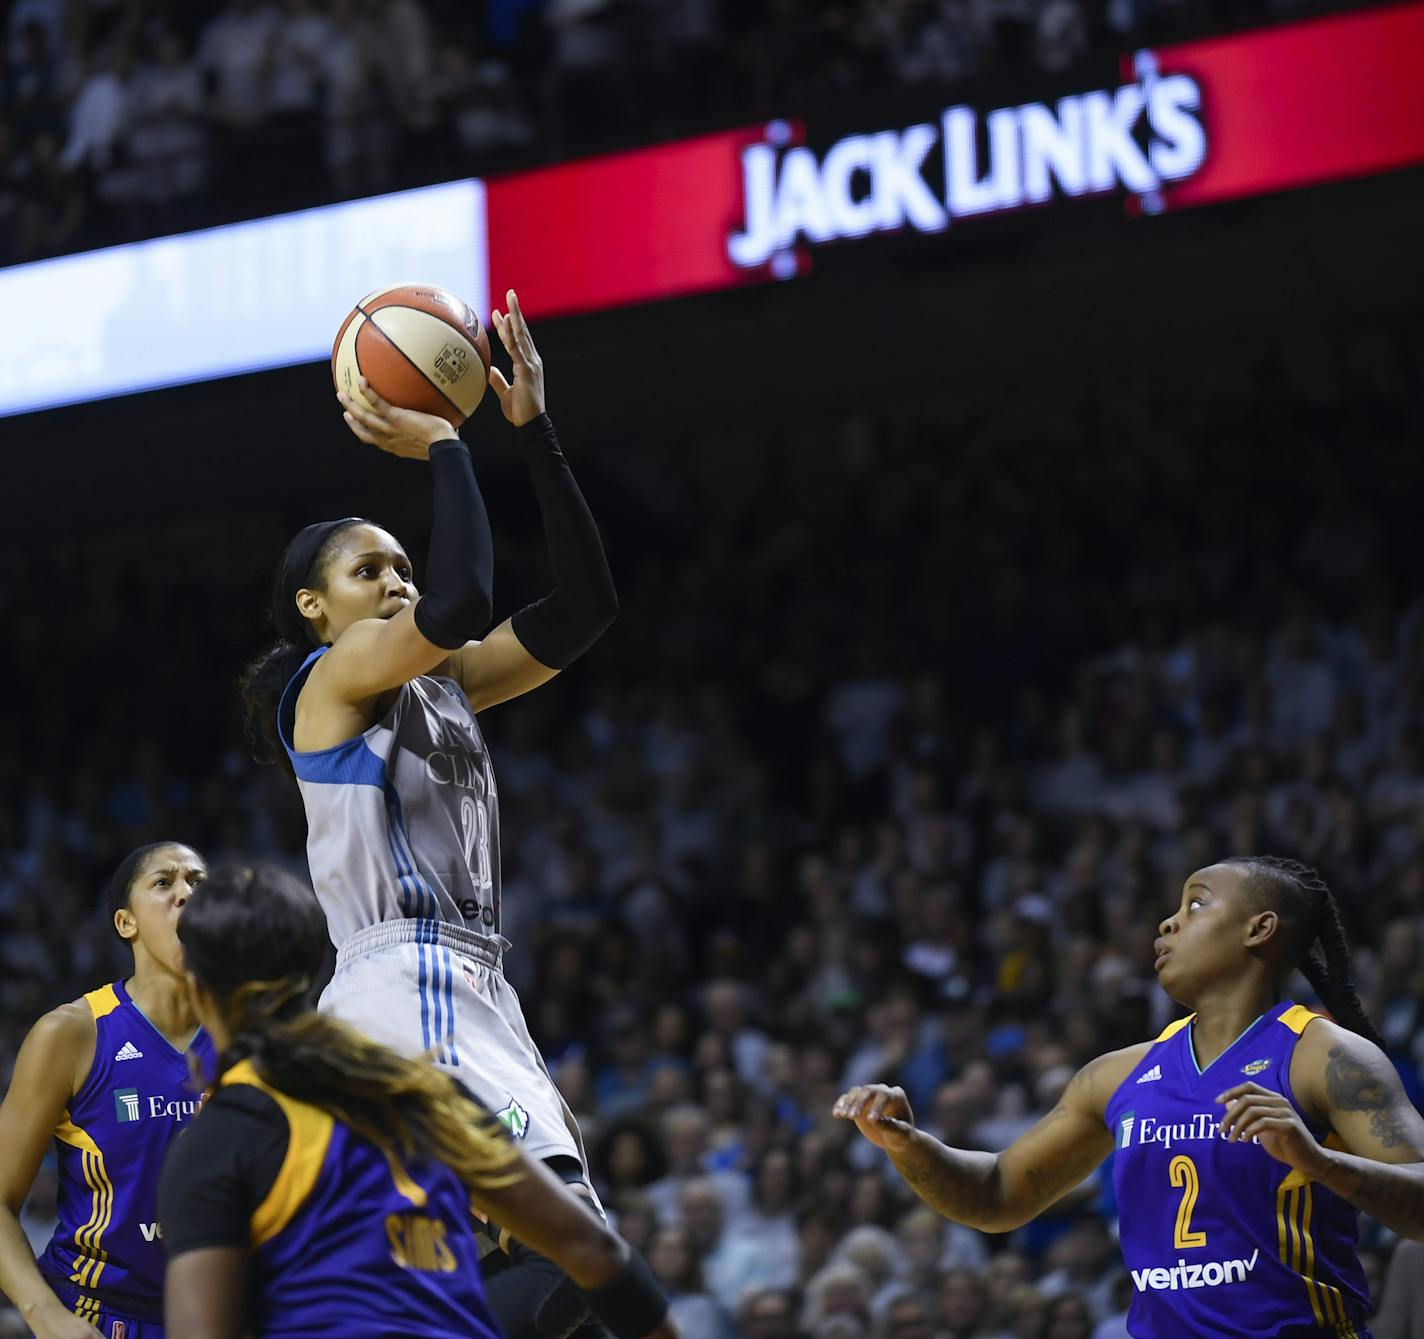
(1184, 1178)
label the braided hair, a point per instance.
(1311, 916)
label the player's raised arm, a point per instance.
(59, 1048)
(382, 649)
(997, 1192)
(550, 634)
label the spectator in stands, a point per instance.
(167, 135)
(694, 1313)
(235, 54)
(294, 87)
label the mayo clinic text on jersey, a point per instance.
(1140, 137)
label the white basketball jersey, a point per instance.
(402, 820)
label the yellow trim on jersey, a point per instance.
(68, 1132)
(308, 1138)
(1316, 1290)
(1295, 1203)
(89, 1236)
(1172, 1029)
(1298, 1017)
(407, 1187)
(102, 1001)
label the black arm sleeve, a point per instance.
(220, 1169)
(565, 623)
(459, 571)
(632, 1304)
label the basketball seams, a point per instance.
(353, 325)
(444, 307)
(443, 350)
(415, 367)
(446, 356)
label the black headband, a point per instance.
(303, 550)
(296, 574)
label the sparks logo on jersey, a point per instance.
(1212, 1274)
(126, 1105)
(1124, 1128)
(514, 1118)
(1152, 1075)
(1256, 1066)
(128, 1051)
(119, 1330)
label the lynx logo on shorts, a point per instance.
(514, 1118)
(126, 1108)
(1256, 1066)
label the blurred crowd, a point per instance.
(890, 776)
(122, 119)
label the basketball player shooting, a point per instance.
(370, 699)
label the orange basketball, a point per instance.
(419, 347)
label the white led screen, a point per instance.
(227, 300)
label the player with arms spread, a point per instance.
(371, 700)
(1247, 1135)
(107, 1078)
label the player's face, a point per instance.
(157, 897)
(368, 577)
(1203, 940)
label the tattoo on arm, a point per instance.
(1049, 1183)
(1392, 1193)
(1353, 1086)
(960, 1185)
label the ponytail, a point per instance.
(1304, 902)
(260, 689)
(261, 684)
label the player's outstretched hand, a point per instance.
(523, 398)
(402, 432)
(1254, 1112)
(880, 1113)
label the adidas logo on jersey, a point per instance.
(1151, 1076)
(128, 1051)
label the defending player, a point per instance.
(326, 1186)
(107, 1077)
(1247, 1135)
(371, 700)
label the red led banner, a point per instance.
(1312, 102)
(626, 227)
(1305, 103)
